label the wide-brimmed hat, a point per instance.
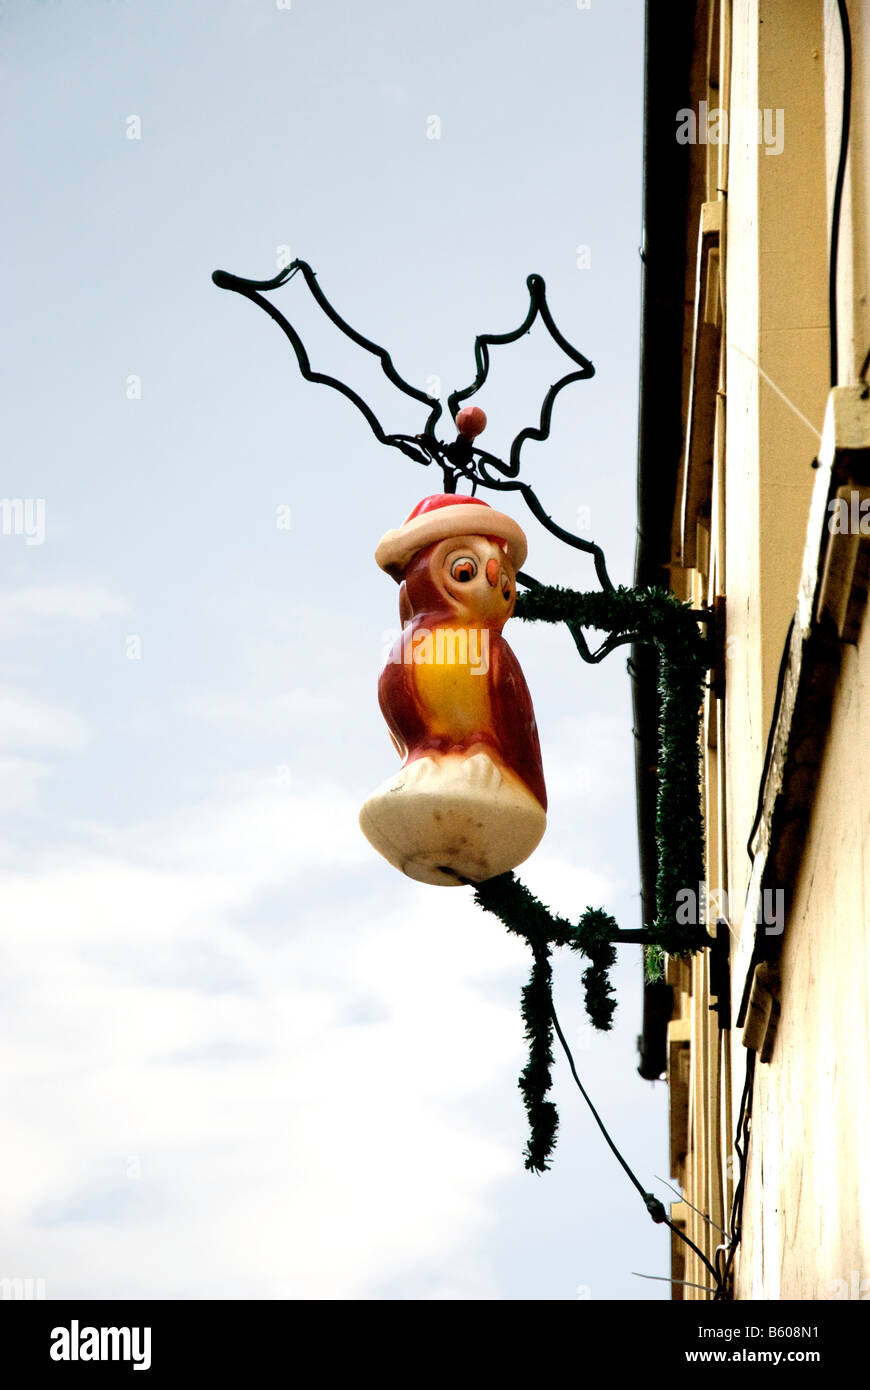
(441, 516)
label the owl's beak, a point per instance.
(492, 572)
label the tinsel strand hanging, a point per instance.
(639, 615)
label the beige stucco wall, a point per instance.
(807, 1208)
(806, 1227)
(776, 304)
(807, 1205)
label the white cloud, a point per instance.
(25, 610)
(20, 781)
(295, 1084)
(566, 889)
(275, 716)
(29, 723)
(587, 757)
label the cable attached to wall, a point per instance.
(651, 1202)
(771, 735)
(741, 1144)
(837, 208)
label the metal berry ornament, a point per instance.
(469, 801)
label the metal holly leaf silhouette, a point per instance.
(458, 458)
(484, 341)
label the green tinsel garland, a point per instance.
(522, 913)
(650, 615)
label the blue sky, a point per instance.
(241, 1055)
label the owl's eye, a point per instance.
(463, 570)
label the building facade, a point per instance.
(754, 503)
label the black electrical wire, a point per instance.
(838, 187)
(683, 1198)
(771, 734)
(651, 1202)
(744, 1118)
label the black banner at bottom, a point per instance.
(218, 1340)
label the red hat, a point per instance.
(438, 518)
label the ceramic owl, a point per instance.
(469, 801)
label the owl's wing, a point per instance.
(397, 698)
(514, 718)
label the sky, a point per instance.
(240, 1055)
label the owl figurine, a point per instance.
(469, 801)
